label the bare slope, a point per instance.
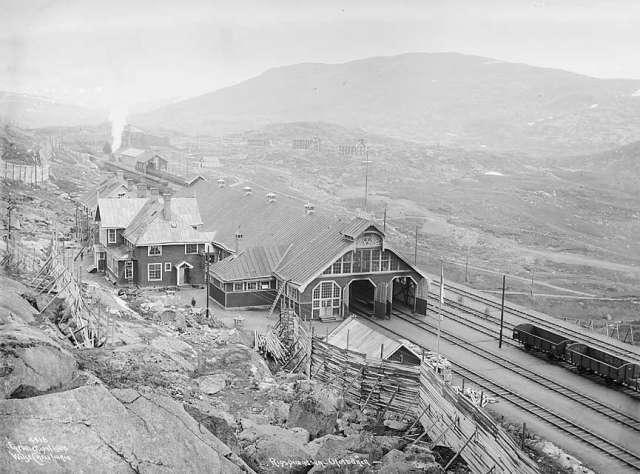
(444, 98)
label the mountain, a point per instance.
(445, 98)
(29, 111)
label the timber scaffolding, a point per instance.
(60, 275)
(448, 416)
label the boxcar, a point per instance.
(534, 337)
(607, 365)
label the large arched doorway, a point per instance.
(404, 293)
(361, 296)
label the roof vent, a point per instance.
(247, 190)
(271, 197)
(221, 182)
(309, 208)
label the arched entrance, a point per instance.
(404, 292)
(361, 296)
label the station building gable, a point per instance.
(325, 275)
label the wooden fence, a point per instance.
(27, 174)
(449, 417)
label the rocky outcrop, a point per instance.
(89, 429)
(32, 363)
(314, 408)
(413, 459)
(271, 449)
(13, 307)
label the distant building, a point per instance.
(150, 242)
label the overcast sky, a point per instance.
(92, 52)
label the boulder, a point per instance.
(89, 429)
(212, 384)
(220, 423)
(364, 444)
(315, 408)
(13, 307)
(32, 363)
(271, 449)
(414, 459)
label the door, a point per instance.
(326, 310)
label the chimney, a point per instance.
(238, 238)
(141, 190)
(166, 211)
(271, 198)
(154, 193)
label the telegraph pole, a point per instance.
(504, 284)
(415, 249)
(206, 278)
(384, 224)
(366, 174)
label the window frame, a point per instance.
(186, 247)
(167, 264)
(115, 236)
(149, 254)
(149, 265)
(128, 266)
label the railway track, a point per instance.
(585, 400)
(560, 422)
(571, 334)
(480, 327)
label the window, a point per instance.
(346, 263)
(265, 285)
(336, 267)
(102, 255)
(154, 250)
(190, 248)
(154, 271)
(237, 287)
(167, 266)
(252, 285)
(385, 261)
(111, 236)
(326, 299)
(128, 270)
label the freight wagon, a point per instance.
(612, 368)
(534, 337)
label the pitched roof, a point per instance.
(105, 189)
(225, 210)
(366, 339)
(119, 212)
(131, 152)
(149, 225)
(356, 227)
(254, 262)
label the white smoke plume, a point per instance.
(118, 119)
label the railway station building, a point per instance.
(323, 267)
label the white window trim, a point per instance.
(190, 253)
(115, 236)
(149, 254)
(167, 264)
(149, 272)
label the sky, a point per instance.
(116, 53)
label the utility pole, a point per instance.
(384, 222)
(504, 284)
(415, 249)
(531, 290)
(366, 174)
(440, 308)
(466, 267)
(206, 278)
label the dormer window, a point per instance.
(111, 236)
(154, 250)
